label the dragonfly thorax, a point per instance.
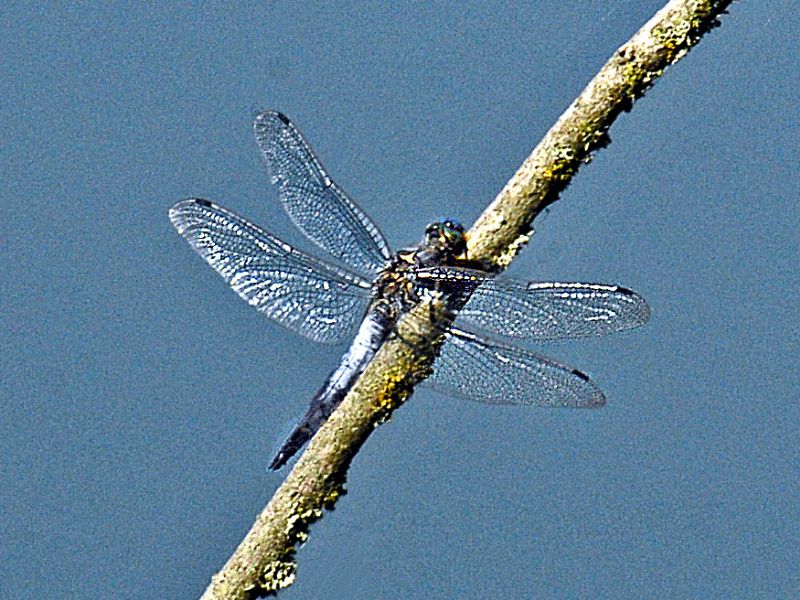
(397, 282)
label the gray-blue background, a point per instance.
(142, 400)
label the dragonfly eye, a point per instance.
(454, 225)
(453, 237)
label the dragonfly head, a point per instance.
(447, 237)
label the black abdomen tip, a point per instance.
(278, 461)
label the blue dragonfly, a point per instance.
(368, 284)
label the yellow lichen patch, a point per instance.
(302, 536)
(676, 38)
(294, 524)
(634, 75)
(562, 166)
(277, 574)
(308, 514)
(385, 397)
(330, 497)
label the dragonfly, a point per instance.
(324, 300)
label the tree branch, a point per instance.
(264, 561)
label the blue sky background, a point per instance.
(142, 400)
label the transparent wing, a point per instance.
(542, 311)
(478, 369)
(299, 291)
(321, 210)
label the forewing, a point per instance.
(321, 210)
(485, 371)
(541, 311)
(299, 291)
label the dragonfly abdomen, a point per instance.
(372, 333)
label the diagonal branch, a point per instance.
(264, 561)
